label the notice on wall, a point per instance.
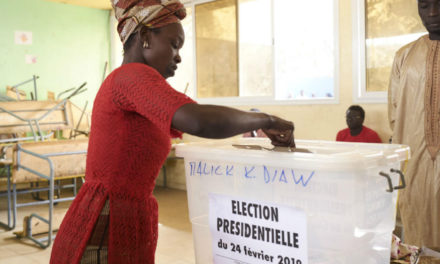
(30, 59)
(245, 231)
(23, 37)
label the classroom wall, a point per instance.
(314, 121)
(71, 45)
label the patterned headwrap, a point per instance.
(151, 13)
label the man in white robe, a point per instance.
(414, 114)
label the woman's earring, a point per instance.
(145, 44)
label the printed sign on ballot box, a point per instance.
(246, 231)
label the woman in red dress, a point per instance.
(114, 218)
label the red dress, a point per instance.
(129, 142)
(367, 135)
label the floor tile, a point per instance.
(175, 244)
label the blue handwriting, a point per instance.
(280, 176)
(200, 168)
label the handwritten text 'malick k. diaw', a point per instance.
(255, 172)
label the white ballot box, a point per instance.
(328, 202)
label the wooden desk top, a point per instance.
(5, 161)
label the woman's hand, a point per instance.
(280, 132)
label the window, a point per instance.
(216, 53)
(259, 52)
(381, 28)
(255, 48)
(304, 49)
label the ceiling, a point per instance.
(101, 4)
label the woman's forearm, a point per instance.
(212, 121)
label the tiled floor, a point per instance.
(175, 243)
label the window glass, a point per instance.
(216, 49)
(258, 49)
(255, 48)
(304, 49)
(390, 24)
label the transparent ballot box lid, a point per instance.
(308, 153)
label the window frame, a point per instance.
(267, 100)
(360, 93)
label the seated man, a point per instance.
(356, 132)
